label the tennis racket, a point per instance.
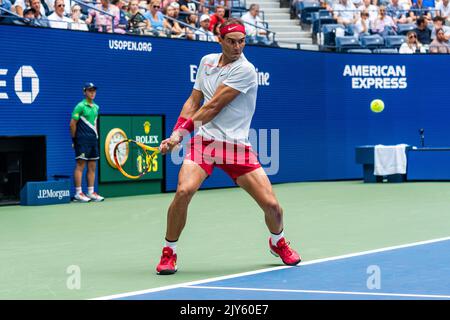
(135, 159)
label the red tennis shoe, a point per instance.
(288, 255)
(168, 263)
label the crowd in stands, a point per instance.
(430, 20)
(190, 19)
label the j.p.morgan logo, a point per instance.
(51, 194)
(376, 76)
(24, 73)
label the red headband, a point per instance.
(231, 28)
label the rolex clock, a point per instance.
(114, 137)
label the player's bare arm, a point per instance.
(222, 97)
(192, 104)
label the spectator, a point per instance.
(19, 6)
(166, 3)
(172, 25)
(253, 24)
(384, 25)
(398, 13)
(406, 4)
(217, 17)
(137, 23)
(428, 3)
(370, 8)
(40, 20)
(123, 21)
(155, 17)
(443, 8)
(57, 19)
(215, 3)
(6, 4)
(216, 31)
(418, 10)
(422, 30)
(192, 22)
(29, 14)
(187, 9)
(438, 23)
(362, 26)
(412, 45)
(77, 23)
(203, 33)
(176, 8)
(101, 21)
(440, 44)
(345, 13)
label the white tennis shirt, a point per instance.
(232, 124)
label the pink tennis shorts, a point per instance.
(235, 159)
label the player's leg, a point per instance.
(190, 178)
(258, 185)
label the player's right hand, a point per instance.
(164, 147)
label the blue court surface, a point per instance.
(414, 271)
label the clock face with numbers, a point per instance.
(115, 136)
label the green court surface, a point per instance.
(116, 244)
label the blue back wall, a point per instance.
(320, 117)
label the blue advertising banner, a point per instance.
(313, 108)
(37, 193)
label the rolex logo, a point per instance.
(147, 127)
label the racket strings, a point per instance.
(140, 161)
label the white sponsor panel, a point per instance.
(50, 193)
(376, 76)
(24, 72)
(147, 139)
(130, 45)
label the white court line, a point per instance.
(325, 292)
(191, 283)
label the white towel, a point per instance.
(390, 159)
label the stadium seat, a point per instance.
(305, 9)
(329, 34)
(385, 50)
(347, 42)
(372, 42)
(394, 41)
(403, 28)
(359, 51)
(320, 18)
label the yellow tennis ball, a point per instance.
(377, 105)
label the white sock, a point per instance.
(78, 190)
(276, 237)
(172, 245)
(90, 190)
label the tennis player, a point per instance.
(83, 129)
(227, 83)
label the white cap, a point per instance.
(204, 17)
(174, 5)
